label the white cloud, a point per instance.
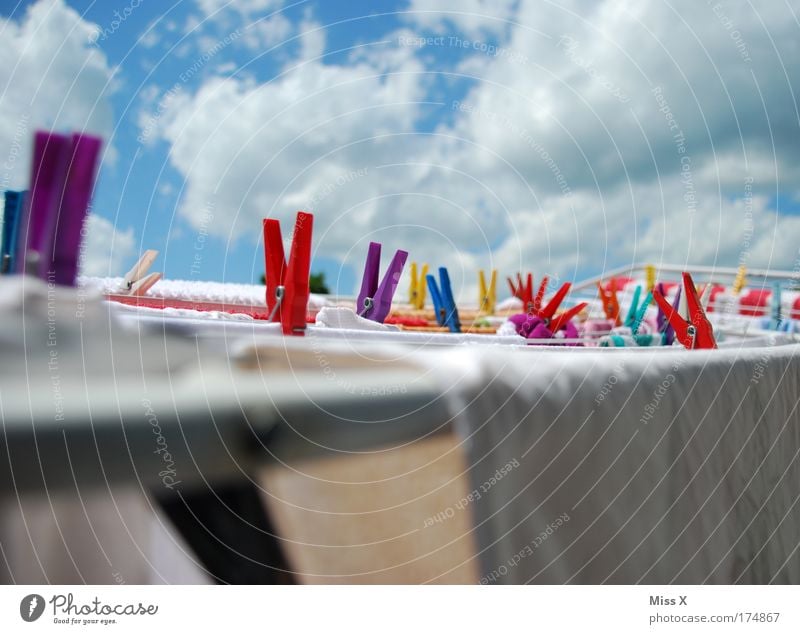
(51, 77)
(150, 38)
(473, 18)
(246, 147)
(562, 159)
(106, 251)
(266, 33)
(312, 40)
(244, 7)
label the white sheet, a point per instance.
(667, 467)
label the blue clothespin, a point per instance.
(637, 312)
(443, 303)
(12, 212)
(776, 317)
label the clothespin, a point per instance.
(547, 314)
(610, 302)
(444, 304)
(543, 323)
(523, 292)
(637, 312)
(12, 213)
(740, 280)
(416, 291)
(776, 314)
(375, 301)
(487, 298)
(705, 295)
(62, 179)
(136, 281)
(695, 332)
(650, 277)
(664, 327)
(63, 248)
(48, 176)
(288, 285)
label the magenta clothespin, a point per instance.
(535, 327)
(48, 174)
(375, 301)
(66, 234)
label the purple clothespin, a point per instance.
(48, 173)
(66, 235)
(375, 301)
(664, 327)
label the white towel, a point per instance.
(343, 317)
(640, 466)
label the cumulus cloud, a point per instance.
(589, 135)
(473, 18)
(644, 132)
(106, 250)
(244, 7)
(52, 77)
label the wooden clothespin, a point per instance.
(416, 291)
(487, 298)
(136, 281)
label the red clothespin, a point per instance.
(523, 292)
(696, 333)
(288, 285)
(537, 301)
(548, 313)
(610, 301)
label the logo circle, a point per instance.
(31, 607)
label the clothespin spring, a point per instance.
(279, 291)
(368, 304)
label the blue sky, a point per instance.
(473, 134)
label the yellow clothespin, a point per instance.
(740, 281)
(650, 276)
(488, 296)
(416, 291)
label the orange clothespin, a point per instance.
(610, 302)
